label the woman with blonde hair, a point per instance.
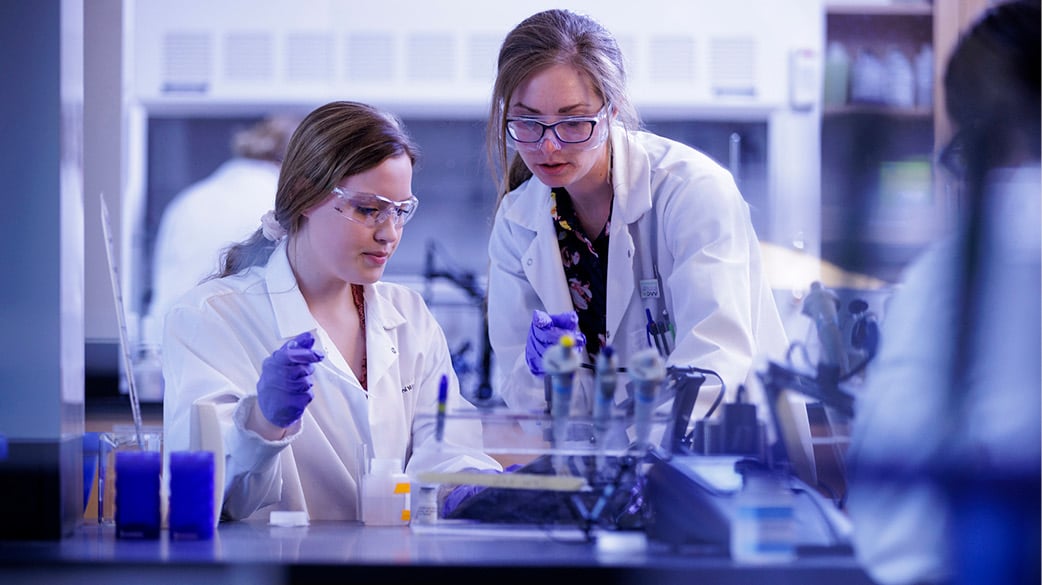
(305, 354)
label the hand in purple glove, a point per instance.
(545, 331)
(461, 492)
(284, 388)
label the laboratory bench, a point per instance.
(338, 552)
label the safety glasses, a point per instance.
(371, 210)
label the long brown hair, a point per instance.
(550, 38)
(993, 96)
(335, 141)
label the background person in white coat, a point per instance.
(945, 453)
(306, 355)
(595, 213)
(214, 213)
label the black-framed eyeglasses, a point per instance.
(371, 210)
(570, 130)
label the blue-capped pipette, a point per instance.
(647, 370)
(560, 363)
(605, 380)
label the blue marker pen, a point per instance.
(443, 396)
(651, 322)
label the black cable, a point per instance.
(719, 397)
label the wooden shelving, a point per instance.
(879, 9)
(877, 205)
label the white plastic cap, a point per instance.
(288, 518)
(387, 466)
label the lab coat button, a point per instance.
(394, 350)
(528, 262)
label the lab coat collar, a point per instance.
(532, 208)
(631, 177)
(292, 316)
(381, 344)
(631, 181)
(291, 310)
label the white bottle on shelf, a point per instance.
(900, 86)
(837, 75)
(924, 77)
(868, 78)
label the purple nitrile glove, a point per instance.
(546, 330)
(461, 492)
(284, 388)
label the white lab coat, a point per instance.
(216, 339)
(222, 209)
(904, 426)
(674, 204)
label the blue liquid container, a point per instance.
(191, 514)
(137, 494)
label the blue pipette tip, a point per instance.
(443, 395)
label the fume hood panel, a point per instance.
(440, 56)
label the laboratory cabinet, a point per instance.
(883, 198)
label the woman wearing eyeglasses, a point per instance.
(615, 235)
(306, 355)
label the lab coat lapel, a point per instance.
(381, 343)
(292, 316)
(631, 178)
(541, 261)
(387, 419)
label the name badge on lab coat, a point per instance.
(649, 288)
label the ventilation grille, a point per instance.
(732, 67)
(309, 57)
(430, 57)
(482, 53)
(249, 56)
(370, 57)
(671, 59)
(187, 61)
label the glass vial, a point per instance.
(763, 529)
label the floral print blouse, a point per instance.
(585, 268)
